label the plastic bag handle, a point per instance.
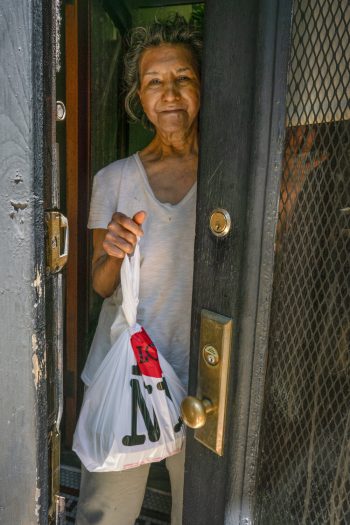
(130, 284)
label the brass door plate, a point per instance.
(213, 373)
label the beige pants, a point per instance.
(115, 498)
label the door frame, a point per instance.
(77, 55)
(240, 171)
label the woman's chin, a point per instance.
(172, 122)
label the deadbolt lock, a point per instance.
(220, 222)
(207, 411)
(210, 355)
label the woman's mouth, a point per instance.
(171, 110)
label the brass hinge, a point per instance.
(60, 510)
(56, 241)
(57, 504)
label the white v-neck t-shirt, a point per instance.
(166, 273)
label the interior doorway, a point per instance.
(95, 133)
(288, 411)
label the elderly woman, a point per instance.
(151, 195)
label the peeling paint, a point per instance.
(37, 504)
(37, 283)
(36, 369)
(18, 177)
(38, 364)
(19, 205)
(35, 360)
(34, 343)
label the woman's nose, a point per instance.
(171, 91)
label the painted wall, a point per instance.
(21, 366)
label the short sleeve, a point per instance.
(104, 197)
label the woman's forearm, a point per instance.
(106, 275)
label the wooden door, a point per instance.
(246, 45)
(284, 284)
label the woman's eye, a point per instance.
(154, 82)
(183, 79)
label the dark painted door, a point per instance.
(274, 155)
(242, 128)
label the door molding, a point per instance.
(77, 55)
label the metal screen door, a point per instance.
(304, 457)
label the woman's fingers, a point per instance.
(122, 234)
(300, 139)
(119, 241)
(127, 223)
(116, 230)
(113, 250)
(319, 160)
(117, 247)
(139, 217)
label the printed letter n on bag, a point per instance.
(146, 356)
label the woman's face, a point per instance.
(170, 88)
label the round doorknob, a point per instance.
(194, 411)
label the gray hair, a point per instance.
(173, 30)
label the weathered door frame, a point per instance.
(242, 136)
(27, 160)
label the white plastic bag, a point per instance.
(131, 410)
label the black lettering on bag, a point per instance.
(148, 388)
(178, 425)
(152, 427)
(144, 355)
(135, 370)
(163, 385)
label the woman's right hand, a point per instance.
(122, 234)
(110, 247)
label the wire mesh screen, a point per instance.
(304, 457)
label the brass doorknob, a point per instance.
(194, 411)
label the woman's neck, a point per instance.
(173, 145)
